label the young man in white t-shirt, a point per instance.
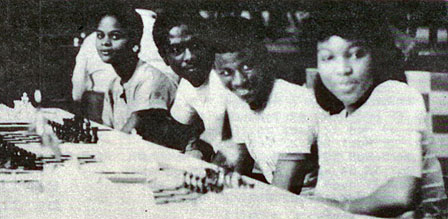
(273, 118)
(198, 103)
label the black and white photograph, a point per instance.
(223, 109)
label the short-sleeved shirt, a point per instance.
(100, 75)
(205, 102)
(380, 140)
(148, 88)
(287, 124)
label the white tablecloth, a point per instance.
(76, 192)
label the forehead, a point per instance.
(109, 22)
(234, 58)
(180, 33)
(337, 43)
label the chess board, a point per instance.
(23, 150)
(194, 185)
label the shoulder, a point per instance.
(397, 106)
(290, 90)
(147, 72)
(286, 93)
(186, 92)
(398, 94)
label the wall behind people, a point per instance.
(38, 37)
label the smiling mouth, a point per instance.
(243, 93)
(106, 52)
(347, 87)
(191, 70)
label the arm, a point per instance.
(398, 195)
(132, 123)
(235, 157)
(290, 171)
(158, 126)
(80, 78)
(199, 149)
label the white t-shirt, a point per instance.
(90, 71)
(206, 102)
(286, 125)
(148, 88)
(380, 140)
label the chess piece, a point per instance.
(95, 135)
(38, 98)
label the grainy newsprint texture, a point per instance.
(359, 88)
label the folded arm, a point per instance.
(290, 171)
(158, 126)
(397, 196)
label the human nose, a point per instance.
(343, 67)
(106, 41)
(186, 59)
(239, 79)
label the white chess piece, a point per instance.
(37, 96)
(25, 98)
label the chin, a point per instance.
(106, 59)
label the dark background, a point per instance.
(37, 50)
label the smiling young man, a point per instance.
(273, 118)
(179, 36)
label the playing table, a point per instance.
(123, 176)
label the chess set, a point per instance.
(21, 149)
(75, 130)
(194, 186)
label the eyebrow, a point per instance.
(114, 31)
(357, 43)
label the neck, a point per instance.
(125, 69)
(262, 98)
(353, 107)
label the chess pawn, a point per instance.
(24, 98)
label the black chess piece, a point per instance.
(95, 135)
(88, 138)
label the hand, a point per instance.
(234, 156)
(195, 153)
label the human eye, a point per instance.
(116, 36)
(226, 72)
(99, 35)
(176, 49)
(247, 68)
(326, 57)
(357, 53)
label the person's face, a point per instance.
(345, 68)
(112, 43)
(188, 56)
(241, 73)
